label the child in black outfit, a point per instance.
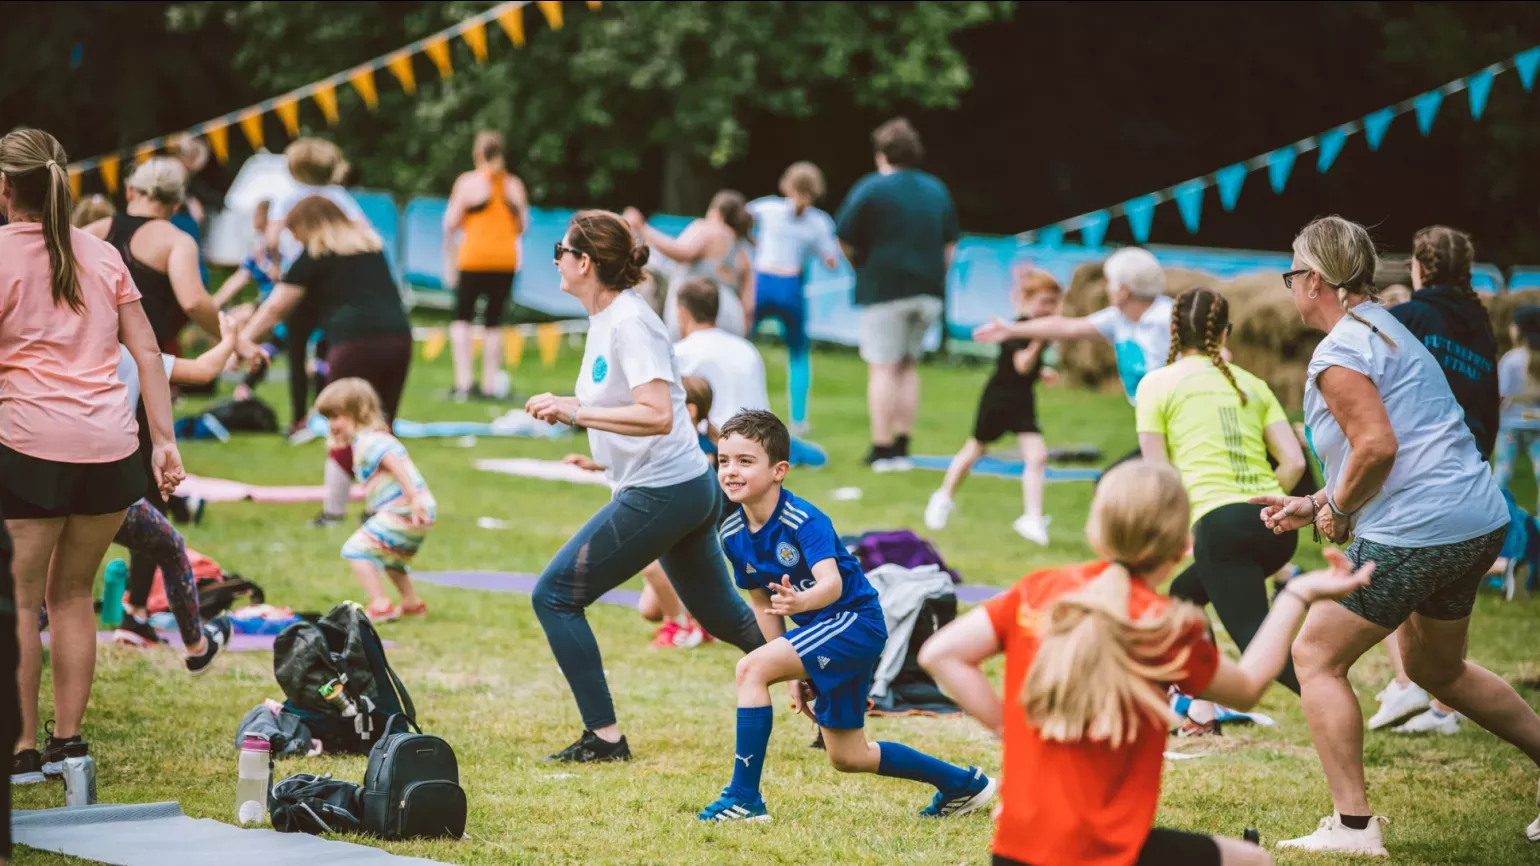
(1008, 406)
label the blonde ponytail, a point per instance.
(1342, 254)
(1098, 672)
(35, 165)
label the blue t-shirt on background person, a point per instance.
(899, 225)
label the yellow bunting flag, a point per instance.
(401, 66)
(592, 5)
(363, 82)
(434, 346)
(552, 11)
(143, 154)
(109, 170)
(326, 98)
(476, 37)
(219, 141)
(75, 183)
(513, 347)
(513, 25)
(437, 50)
(548, 338)
(251, 124)
(288, 112)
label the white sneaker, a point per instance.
(1033, 529)
(1332, 836)
(1398, 703)
(893, 464)
(1430, 722)
(1533, 830)
(799, 429)
(937, 510)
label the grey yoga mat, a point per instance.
(158, 834)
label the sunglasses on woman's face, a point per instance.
(1288, 278)
(563, 249)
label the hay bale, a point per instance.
(1500, 309)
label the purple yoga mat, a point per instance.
(239, 643)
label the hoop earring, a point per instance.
(1313, 294)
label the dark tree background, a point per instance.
(1031, 112)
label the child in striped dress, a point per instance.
(401, 508)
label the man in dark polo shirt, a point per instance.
(899, 229)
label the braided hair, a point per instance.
(1445, 255)
(1198, 323)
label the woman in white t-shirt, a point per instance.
(1404, 478)
(630, 400)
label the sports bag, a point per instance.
(412, 787)
(306, 803)
(337, 680)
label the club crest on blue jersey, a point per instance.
(787, 555)
(601, 369)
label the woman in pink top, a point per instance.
(69, 466)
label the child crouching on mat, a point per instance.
(1008, 406)
(787, 555)
(1089, 653)
(397, 498)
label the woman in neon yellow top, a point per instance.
(1217, 423)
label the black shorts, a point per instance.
(1000, 414)
(495, 286)
(1162, 848)
(35, 489)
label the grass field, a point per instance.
(483, 677)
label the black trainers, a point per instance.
(216, 636)
(27, 767)
(326, 521)
(53, 753)
(589, 749)
(901, 445)
(878, 454)
(135, 632)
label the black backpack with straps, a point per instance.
(337, 679)
(412, 787)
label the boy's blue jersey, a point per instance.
(797, 537)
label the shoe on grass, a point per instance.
(383, 610)
(418, 609)
(53, 752)
(27, 768)
(1335, 837)
(133, 631)
(1430, 721)
(975, 795)
(326, 521)
(590, 749)
(938, 510)
(1033, 529)
(216, 636)
(1397, 704)
(678, 635)
(1533, 830)
(731, 807)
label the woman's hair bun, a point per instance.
(634, 273)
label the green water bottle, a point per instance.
(113, 586)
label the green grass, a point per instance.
(483, 677)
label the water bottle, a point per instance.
(336, 693)
(255, 768)
(113, 586)
(79, 776)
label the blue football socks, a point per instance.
(749, 759)
(901, 762)
(799, 381)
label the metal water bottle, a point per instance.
(114, 582)
(255, 778)
(79, 776)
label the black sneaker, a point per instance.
(818, 742)
(53, 753)
(27, 767)
(216, 636)
(135, 632)
(901, 445)
(589, 749)
(326, 521)
(878, 454)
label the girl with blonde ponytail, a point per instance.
(1090, 651)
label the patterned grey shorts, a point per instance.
(1438, 582)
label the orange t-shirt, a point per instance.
(491, 242)
(60, 397)
(1081, 803)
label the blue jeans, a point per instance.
(676, 526)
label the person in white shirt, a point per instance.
(791, 233)
(1404, 477)
(630, 400)
(729, 363)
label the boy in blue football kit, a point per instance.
(787, 555)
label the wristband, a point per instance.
(1336, 512)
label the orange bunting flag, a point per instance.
(143, 154)
(592, 5)
(437, 50)
(109, 169)
(513, 347)
(363, 82)
(552, 11)
(288, 112)
(401, 67)
(513, 25)
(219, 141)
(548, 340)
(476, 37)
(75, 183)
(326, 99)
(251, 124)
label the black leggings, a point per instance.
(1233, 554)
(1162, 848)
(495, 286)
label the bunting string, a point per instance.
(1279, 163)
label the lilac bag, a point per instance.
(899, 547)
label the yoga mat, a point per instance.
(158, 834)
(503, 581)
(224, 490)
(549, 470)
(989, 465)
(239, 643)
(514, 424)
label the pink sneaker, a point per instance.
(383, 610)
(663, 638)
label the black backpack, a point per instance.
(341, 650)
(306, 803)
(248, 416)
(412, 787)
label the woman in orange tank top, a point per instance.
(489, 207)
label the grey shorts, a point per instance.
(1438, 582)
(894, 331)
